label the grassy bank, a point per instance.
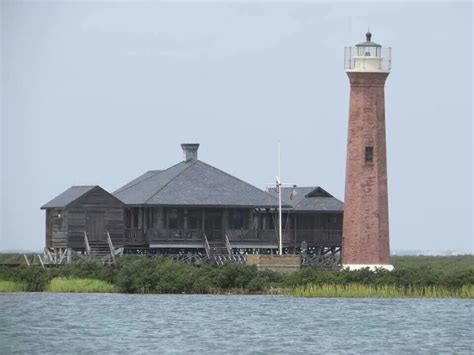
(382, 291)
(411, 278)
(61, 284)
(12, 286)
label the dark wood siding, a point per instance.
(76, 228)
(57, 228)
(96, 212)
(48, 228)
(115, 225)
(96, 222)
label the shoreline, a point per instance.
(93, 286)
(415, 277)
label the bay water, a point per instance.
(46, 323)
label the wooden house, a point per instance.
(178, 208)
(193, 207)
(83, 210)
(314, 218)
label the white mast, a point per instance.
(280, 239)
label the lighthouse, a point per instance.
(365, 228)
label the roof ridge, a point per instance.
(236, 178)
(92, 187)
(85, 188)
(170, 180)
(156, 172)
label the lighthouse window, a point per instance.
(369, 154)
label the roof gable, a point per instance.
(79, 195)
(319, 192)
(96, 197)
(68, 196)
(309, 199)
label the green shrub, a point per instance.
(139, 274)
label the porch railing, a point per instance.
(241, 234)
(135, 235)
(314, 236)
(325, 236)
(190, 235)
(331, 237)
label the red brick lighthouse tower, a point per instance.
(365, 231)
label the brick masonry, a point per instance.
(365, 228)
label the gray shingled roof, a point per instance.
(309, 199)
(193, 183)
(68, 196)
(139, 179)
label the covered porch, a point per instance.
(235, 228)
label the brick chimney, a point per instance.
(190, 151)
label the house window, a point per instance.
(174, 218)
(150, 218)
(135, 218)
(194, 219)
(369, 154)
(237, 219)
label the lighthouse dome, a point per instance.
(368, 42)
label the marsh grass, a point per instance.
(12, 286)
(61, 284)
(380, 291)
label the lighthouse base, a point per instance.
(372, 267)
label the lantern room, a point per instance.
(367, 57)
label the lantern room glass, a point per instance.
(369, 51)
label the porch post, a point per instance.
(225, 217)
(294, 226)
(203, 220)
(250, 219)
(185, 218)
(140, 217)
(264, 219)
(159, 218)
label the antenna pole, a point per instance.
(280, 240)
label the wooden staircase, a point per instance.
(220, 252)
(99, 249)
(217, 248)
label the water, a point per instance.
(115, 323)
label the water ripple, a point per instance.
(116, 323)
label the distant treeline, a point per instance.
(142, 275)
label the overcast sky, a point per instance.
(98, 93)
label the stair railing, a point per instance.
(111, 247)
(206, 245)
(86, 242)
(228, 245)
